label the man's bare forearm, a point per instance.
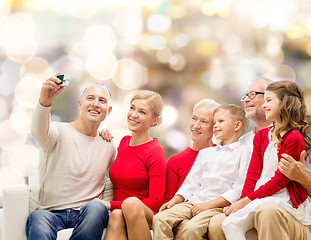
(305, 181)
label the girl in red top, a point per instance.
(284, 106)
(138, 173)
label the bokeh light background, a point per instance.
(184, 49)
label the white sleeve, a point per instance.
(234, 193)
(192, 181)
(42, 130)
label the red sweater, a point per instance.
(139, 171)
(293, 144)
(177, 169)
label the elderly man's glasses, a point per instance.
(251, 95)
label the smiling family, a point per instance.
(220, 187)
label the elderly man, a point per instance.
(72, 166)
(271, 221)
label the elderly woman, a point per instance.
(178, 165)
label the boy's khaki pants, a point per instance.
(272, 223)
(194, 229)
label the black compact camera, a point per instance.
(65, 78)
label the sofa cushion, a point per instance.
(64, 234)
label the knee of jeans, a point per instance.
(38, 216)
(95, 208)
(39, 221)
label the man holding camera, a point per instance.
(72, 166)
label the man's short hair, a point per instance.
(98, 84)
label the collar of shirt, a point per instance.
(231, 146)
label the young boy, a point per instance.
(214, 181)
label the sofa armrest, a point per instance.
(15, 212)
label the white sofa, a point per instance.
(20, 201)
(15, 212)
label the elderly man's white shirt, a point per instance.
(247, 140)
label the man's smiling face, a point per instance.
(253, 107)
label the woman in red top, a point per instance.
(138, 173)
(179, 164)
(201, 133)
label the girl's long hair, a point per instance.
(293, 111)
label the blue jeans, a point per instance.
(88, 223)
